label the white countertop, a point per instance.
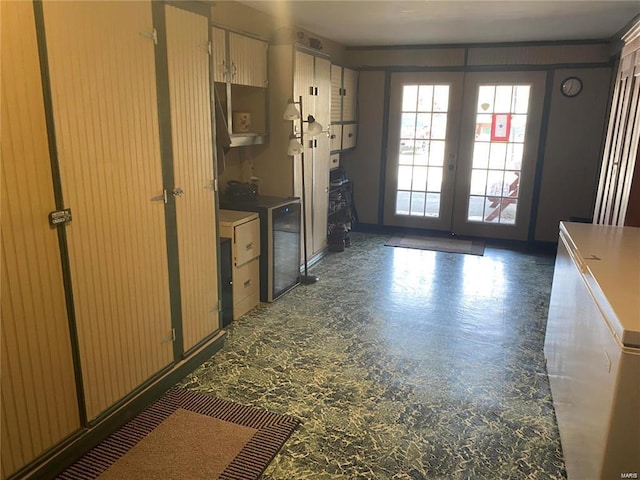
(610, 260)
(234, 217)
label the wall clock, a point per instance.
(571, 87)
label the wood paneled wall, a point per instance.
(93, 101)
(39, 402)
(193, 168)
(103, 84)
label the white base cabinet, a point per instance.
(243, 228)
(592, 348)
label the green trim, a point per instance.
(166, 154)
(56, 460)
(539, 43)
(59, 199)
(383, 146)
(542, 141)
(487, 68)
(204, 341)
(192, 6)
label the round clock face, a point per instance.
(571, 86)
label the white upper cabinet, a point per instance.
(247, 61)
(244, 62)
(344, 111)
(219, 55)
(336, 94)
(241, 80)
(349, 95)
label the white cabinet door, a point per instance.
(322, 84)
(219, 55)
(303, 85)
(248, 61)
(117, 241)
(349, 95)
(336, 94)
(189, 92)
(320, 191)
(312, 81)
(39, 405)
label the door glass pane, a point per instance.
(439, 127)
(408, 125)
(409, 98)
(423, 132)
(419, 179)
(417, 203)
(436, 153)
(404, 177)
(434, 179)
(425, 98)
(503, 99)
(521, 99)
(432, 207)
(421, 154)
(497, 155)
(481, 154)
(441, 98)
(486, 96)
(501, 122)
(402, 202)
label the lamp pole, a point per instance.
(305, 279)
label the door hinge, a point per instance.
(153, 35)
(160, 198)
(170, 338)
(60, 217)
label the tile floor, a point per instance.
(402, 364)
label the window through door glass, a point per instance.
(501, 120)
(423, 131)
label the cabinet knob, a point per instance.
(177, 192)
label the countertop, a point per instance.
(609, 258)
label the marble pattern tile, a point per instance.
(402, 364)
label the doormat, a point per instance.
(449, 245)
(187, 435)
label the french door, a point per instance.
(463, 159)
(421, 150)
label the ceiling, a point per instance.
(427, 22)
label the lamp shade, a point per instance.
(295, 147)
(314, 127)
(291, 112)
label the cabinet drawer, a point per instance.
(336, 137)
(247, 242)
(246, 280)
(349, 135)
(246, 304)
